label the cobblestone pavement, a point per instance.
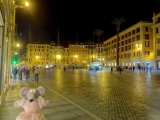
(111, 96)
(108, 96)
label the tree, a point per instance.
(98, 32)
(89, 42)
(118, 23)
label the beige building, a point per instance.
(83, 54)
(136, 46)
(66, 56)
(44, 55)
(156, 39)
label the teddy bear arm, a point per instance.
(43, 102)
(17, 104)
(46, 102)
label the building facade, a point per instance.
(44, 55)
(156, 39)
(135, 46)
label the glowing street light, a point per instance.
(27, 4)
(58, 56)
(18, 45)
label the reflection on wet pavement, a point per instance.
(109, 96)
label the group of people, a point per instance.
(118, 69)
(26, 71)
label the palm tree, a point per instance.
(98, 32)
(89, 42)
(118, 23)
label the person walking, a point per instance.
(120, 69)
(33, 69)
(20, 73)
(14, 72)
(133, 68)
(64, 68)
(27, 73)
(150, 69)
(111, 69)
(73, 67)
(36, 74)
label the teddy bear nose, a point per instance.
(31, 100)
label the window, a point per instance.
(134, 54)
(126, 42)
(138, 53)
(146, 43)
(158, 52)
(122, 37)
(129, 33)
(146, 29)
(147, 36)
(122, 42)
(125, 48)
(147, 52)
(133, 46)
(138, 37)
(158, 19)
(138, 30)
(133, 39)
(129, 47)
(158, 40)
(129, 40)
(133, 32)
(157, 30)
(122, 49)
(125, 35)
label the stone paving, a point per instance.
(59, 108)
(100, 95)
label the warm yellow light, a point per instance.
(37, 57)
(18, 45)
(26, 3)
(136, 44)
(58, 56)
(76, 56)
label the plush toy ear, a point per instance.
(41, 90)
(23, 92)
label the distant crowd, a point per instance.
(25, 71)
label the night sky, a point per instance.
(43, 17)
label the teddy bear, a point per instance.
(32, 101)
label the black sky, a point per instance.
(44, 17)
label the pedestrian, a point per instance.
(133, 68)
(64, 68)
(111, 69)
(120, 69)
(14, 72)
(36, 74)
(150, 69)
(27, 73)
(73, 67)
(33, 69)
(139, 67)
(20, 73)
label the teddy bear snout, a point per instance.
(31, 100)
